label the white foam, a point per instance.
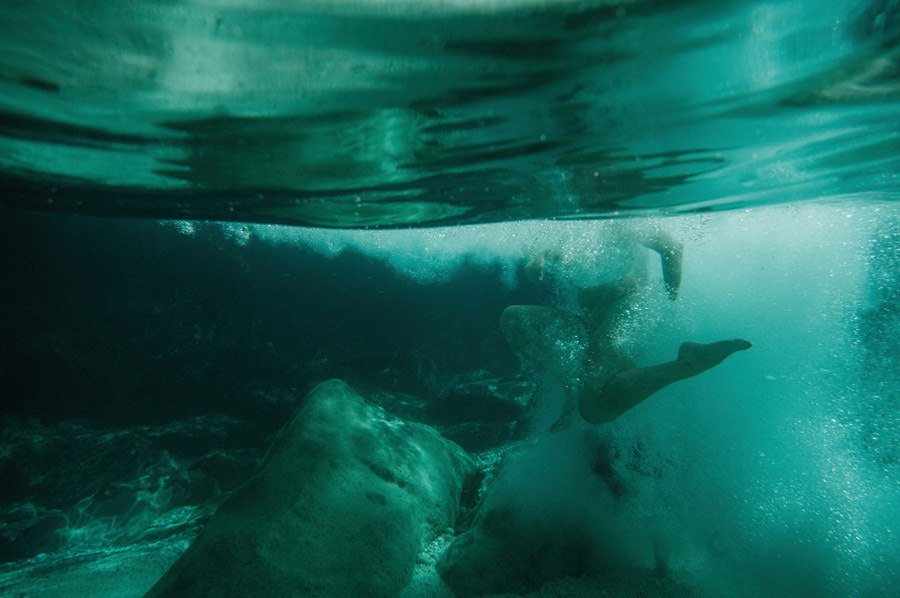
(437, 254)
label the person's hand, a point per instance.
(534, 269)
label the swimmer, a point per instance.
(577, 348)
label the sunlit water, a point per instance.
(774, 474)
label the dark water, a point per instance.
(162, 316)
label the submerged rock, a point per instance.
(73, 486)
(59, 466)
(340, 506)
(559, 508)
(27, 532)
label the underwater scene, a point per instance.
(449, 298)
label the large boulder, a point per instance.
(341, 506)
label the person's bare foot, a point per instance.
(700, 357)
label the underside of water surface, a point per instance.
(377, 113)
(295, 297)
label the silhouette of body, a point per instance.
(577, 349)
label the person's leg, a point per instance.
(554, 341)
(597, 302)
(630, 387)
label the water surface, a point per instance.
(374, 113)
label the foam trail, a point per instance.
(436, 254)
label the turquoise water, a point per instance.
(208, 208)
(404, 113)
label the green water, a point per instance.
(282, 188)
